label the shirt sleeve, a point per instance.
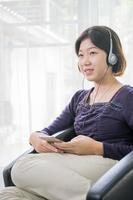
(118, 151)
(65, 119)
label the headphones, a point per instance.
(112, 58)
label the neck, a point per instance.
(104, 90)
(106, 82)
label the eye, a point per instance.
(93, 52)
(80, 55)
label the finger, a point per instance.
(65, 147)
(62, 144)
(59, 150)
(50, 147)
(71, 151)
(44, 149)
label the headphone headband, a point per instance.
(112, 58)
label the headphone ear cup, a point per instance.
(112, 59)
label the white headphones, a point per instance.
(112, 58)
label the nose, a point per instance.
(85, 61)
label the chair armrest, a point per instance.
(7, 169)
(65, 135)
(117, 183)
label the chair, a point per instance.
(115, 184)
(63, 135)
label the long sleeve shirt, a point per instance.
(109, 122)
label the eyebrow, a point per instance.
(89, 48)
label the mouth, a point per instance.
(88, 71)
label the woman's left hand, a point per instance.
(81, 145)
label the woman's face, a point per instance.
(92, 61)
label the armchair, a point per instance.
(116, 184)
(63, 135)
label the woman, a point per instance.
(102, 119)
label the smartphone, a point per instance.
(50, 139)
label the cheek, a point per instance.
(101, 70)
(100, 64)
(80, 68)
(99, 59)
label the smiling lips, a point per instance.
(88, 71)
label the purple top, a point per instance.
(110, 122)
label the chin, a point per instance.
(89, 78)
(93, 79)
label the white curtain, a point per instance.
(38, 68)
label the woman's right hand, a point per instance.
(40, 145)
